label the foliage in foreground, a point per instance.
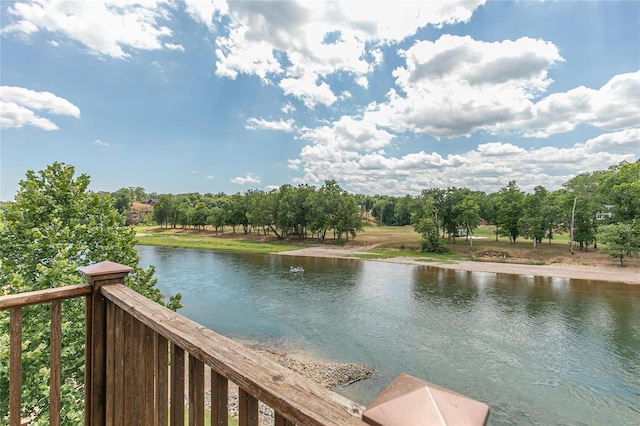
(55, 226)
(621, 240)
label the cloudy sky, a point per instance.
(384, 97)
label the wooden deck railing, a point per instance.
(135, 354)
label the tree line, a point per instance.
(287, 212)
(583, 204)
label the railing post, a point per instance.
(411, 401)
(95, 374)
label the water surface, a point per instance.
(537, 350)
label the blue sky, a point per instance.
(383, 97)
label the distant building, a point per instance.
(605, 215)
(150, 201)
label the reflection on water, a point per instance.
(537, 350)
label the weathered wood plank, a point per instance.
(54, 362)
(196, 392)
(219, 399)
(139, 373)
(280, 420)
(88, 343)
(162, 380)
(247, 409)
(129, 378)
(110, 349)
(44, 296)
(149, 374)
(15, 365)
(98, 359)
(296, 397)
(177, 386)
(119, 366)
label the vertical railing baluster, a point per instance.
(15, 366)
(149, 375)
(109, 402)
(129, 337)
(219, 400)
(119, 366)
(87, 358)
(138, 373)
(177, 385)
(247, 409)
(162, 380)
(54, 362)
(196, 392)
(280, 420)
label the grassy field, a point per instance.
(381, 242)
(209, 240)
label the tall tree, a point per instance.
(532, 222)
(586, 197)
(620, 189)
(55, 226)
(424, 223)
(510, 206)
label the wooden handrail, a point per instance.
(296, 397)
(44, 296)
(15, 303)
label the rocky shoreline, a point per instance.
(326, 374)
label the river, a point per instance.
(537, 350)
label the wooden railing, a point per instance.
(135, 353)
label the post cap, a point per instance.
(411, 401)
(105, 268)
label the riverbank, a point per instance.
(628, 274)
(327, 374)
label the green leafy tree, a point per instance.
(532, 222)
(620, 188)
(122, 199)
(424, 223)
(510, 207)
(586, 196)
(467, 213)
(164, 210)
(620, 240)
(348, 217)
(55, 226)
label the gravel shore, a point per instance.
(326, 374)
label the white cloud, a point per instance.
(308, 90)
(288, 108)
(488, 167)
(303, 42)
(294, 164)
(18, 106)
(261, 124)
(22, 27)
(101, 143)
(13, 115)
(363, 81)
(206, 11)
(109, 28)
(456, 86)
(348, 134)
(209, 177)
(248, 179)
(172, 46)
(616, 105)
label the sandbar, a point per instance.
(612, 273)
